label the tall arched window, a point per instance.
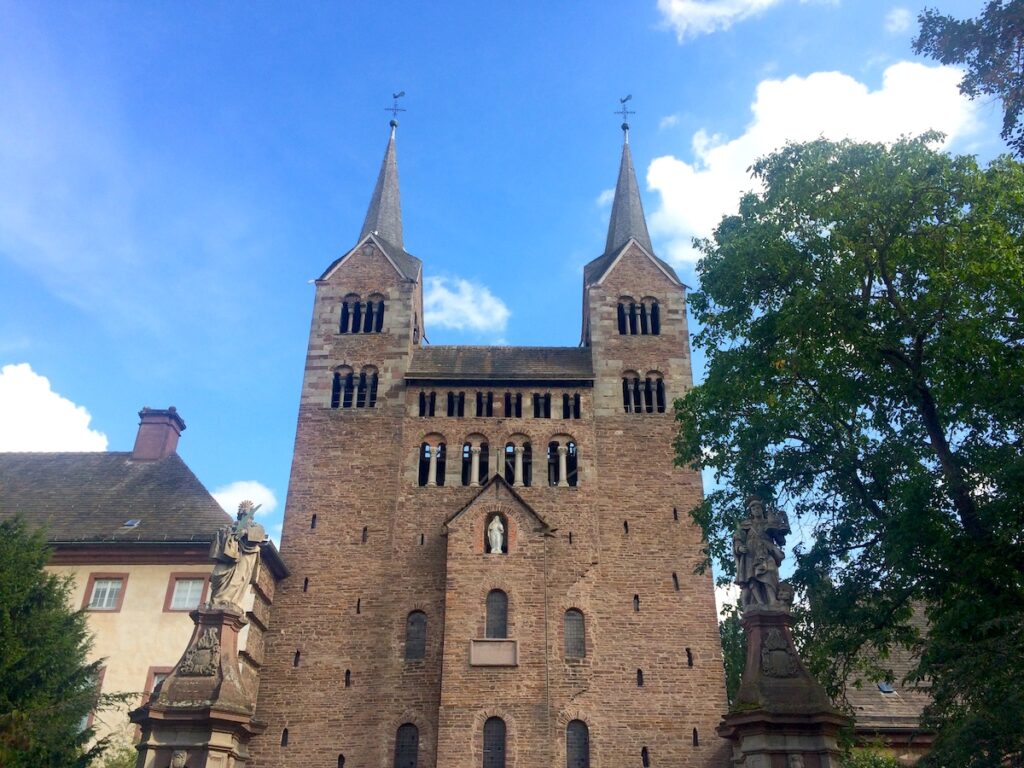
(349, 312)
(367, 380)
(494, 743)
(621, 318)
(577, 745)
(527, 464)
(361, 390)
(648, 395)
(655, 318)
(575, 636)
(415, 636)
(572, 464)
(357, 316)
(368, 316)
(510, 463)
(467, 462)
(645, 758)
(632, 398)
(407, 746)
(342, 386)
(553, 463)
(497, 614)
(424, 468)
(378, 322)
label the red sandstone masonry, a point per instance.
(358, 468)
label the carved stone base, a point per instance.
(201, 716)
(782, 717)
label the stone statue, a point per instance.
(179, 759)
(796, 761)
(757, 546)
(496, 535)
(236, 548)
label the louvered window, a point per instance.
(407, 746)
(494, 743)
(497, 614)
(577, 745)
(415, 636)
(575, 639)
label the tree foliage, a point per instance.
(734, 650)
(991, 47)
(47, 688)
(862, 321)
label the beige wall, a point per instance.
(139, 636)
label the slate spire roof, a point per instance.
(627, 220)
(384, 216)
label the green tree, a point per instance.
(991, 47)
(734, 650)
(862, 321)
(47, 688)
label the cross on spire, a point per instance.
(394, 109)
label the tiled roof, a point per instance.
(90, 496)
(501, 363)
(901, 709)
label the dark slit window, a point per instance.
(632, 319)
(356, 316)
(284, 738)
(423, 403)
(696, 738)
(494, 743)
(348, 678)
(648, 395)
(639, 678)
(577, 745)
(655, 318)
(372, 400)
(621, 316)
(643, 319)
(645, 758)
(415, 636)
(497, 614)
(312, 522)
(407, 746)
(675, 582)
(305, 584)
(576, 406)
(636, 603)
(379, 325)
(341, 761)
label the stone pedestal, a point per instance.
(782, 717)
(201, 716)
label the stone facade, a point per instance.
(367, 544)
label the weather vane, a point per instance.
(394, 109)
(624, 111)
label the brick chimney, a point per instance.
(158, 433)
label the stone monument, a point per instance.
(781, 717)
(201, 716)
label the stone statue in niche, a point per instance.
(179, 759)
(236, 548)
(496, 536)
(757, 546)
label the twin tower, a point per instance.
(492, 558)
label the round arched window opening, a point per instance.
(496, 535)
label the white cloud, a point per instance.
(231, 495)
(605, 198)
(690, 18)
(463, 306)
(668, 121)
(898, 20)
(35, 418)
(694, 196)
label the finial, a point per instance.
(394, 109)
(625, 116)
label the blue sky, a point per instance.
(173, 175)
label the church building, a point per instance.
(492, 560)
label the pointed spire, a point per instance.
(627, 218)
(384, 217)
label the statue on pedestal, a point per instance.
(236, 548)
(757, 546)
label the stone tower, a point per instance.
(492, 562)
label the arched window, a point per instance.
(442, 463)
(494, 743)
(566, 409)
(696, 738)
(510, 463)
(341, 761)
(632, 398)
(553, 464)
(636, 603)
(312, 521)
(467, 463)
(639, 678)
(366, 534)
(497, 614)
(675, 581)
(357, 316)
(415, 636)
(345, 313)
(659, 391)
(407, 746)
(637, 404)
(379, 321)
(371, 398)
(296, 658)
(284, 738)
(527, 464)
(645, 758)
(575, 637)
(577, 745)
(632, 319)
(423, 404)
(648, 395)
(576, 406)
(621, 317)
(655, 318)
(305, 584)
(572, 464)
(424, 469)
(368, 316)
(644, 328)
(348, 678)
(485, 462)
(361, 391)
(342, 386)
